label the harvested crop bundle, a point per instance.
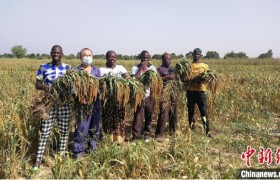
(121, 91)
(171, 92)
(183, 69)
(79, 84)
(137, 93)
(40, 106)
(152, 80)
(209, 77)
(78, 88)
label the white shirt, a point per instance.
(135, 70)
(116, 71)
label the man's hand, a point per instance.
(48, 89)
(144, 65)
(125, 75)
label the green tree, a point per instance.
(232, 54)
(31, 56)
(126, 57)
(156, 56)
(98, 56)
(268, 54)
(78, 55)
(242, 55)
(189, 55)
(180, 56)
(18, 51)
(70, 56)
(212, 55)
(173, 55)
(120, 56)
(8, 55)
(45, 56)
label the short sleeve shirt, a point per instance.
(49, 72)
(198, 68)
(163, 71)
(116, 71)
(135, 70)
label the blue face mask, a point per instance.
(87, 60)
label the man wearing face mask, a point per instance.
(88, 127)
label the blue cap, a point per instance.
(197, 51)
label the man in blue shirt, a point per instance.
(47, 73)
(87, 128)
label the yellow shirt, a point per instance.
(198, 68)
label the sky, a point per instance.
(130, 26)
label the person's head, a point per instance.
(196, 54)
(111, 58)
(145, 57)
(86, 56)
(166, 59)
(56, 54)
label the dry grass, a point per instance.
(245, 111)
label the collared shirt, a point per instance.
(49, 72)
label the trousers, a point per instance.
(199, 98)
(62, 114)
(137, 125)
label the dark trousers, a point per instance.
(87, 130)
(147, 110)
(167, 112)
(199, 98)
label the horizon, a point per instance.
(157, 26)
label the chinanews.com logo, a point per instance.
(259, 174)
(266, 157)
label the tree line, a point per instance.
(18, 51)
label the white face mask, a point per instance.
(87, 60)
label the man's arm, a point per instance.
(41, 86)
(169, 77)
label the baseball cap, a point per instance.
(197, 51)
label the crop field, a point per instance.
(244, 113)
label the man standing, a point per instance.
(89, 125)
(47, 73)
(167, 110)
(113, 116)
(196, 92)
(146, 109)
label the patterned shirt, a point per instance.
(48, 72)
